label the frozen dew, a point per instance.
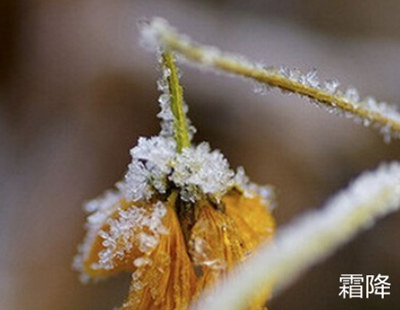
(351, 94)
(151, 162)
(295, 75)
(311, 78)
(135, 227)
(165, 114)
(141, 261)
(200, 171)
(331, 86)
(386, 132)
(99, 210)
(284, 71)
(260, 88)
(250, 189)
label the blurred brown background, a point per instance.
(76, 91)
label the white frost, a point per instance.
(200, 171)
(151, 163)
(99, 210)
(135, 227)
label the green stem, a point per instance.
(200, 54)
(181, 131)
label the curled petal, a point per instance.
(123, 232)
(251, 217)
(165, 279)
(220, 240)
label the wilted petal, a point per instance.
(122, 232)
(251, 217)
(165, 279)
(221, 239)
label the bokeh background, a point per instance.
(77, 90)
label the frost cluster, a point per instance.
(250, 189)
(165, 114)
(197, 171)
(150, 166)
(99, 210)
(135, 227)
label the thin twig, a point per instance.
(367, 111)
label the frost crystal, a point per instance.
(196, 172)
(201, 171)
(166, 115)
(99, 209)
(151, 163)
(136, 227)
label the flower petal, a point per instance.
(166, 279)
(251, 217)
(222, 239)
(126, 231)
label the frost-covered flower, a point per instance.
(173, 248)
(180, 219)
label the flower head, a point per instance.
(180, 219)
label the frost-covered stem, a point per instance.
(181, 131)
(310, 239)
(158, 32)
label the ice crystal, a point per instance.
(250, 189)
(331, 86)
(352, 95)
(99, 210)
(198, 170)
(151, 163)
(165, 114)
(135, 227)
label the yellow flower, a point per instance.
(180, 220)
(170, 267)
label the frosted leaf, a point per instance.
(198, 171)
(151, 163)
(99, 210)
(137, 227)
